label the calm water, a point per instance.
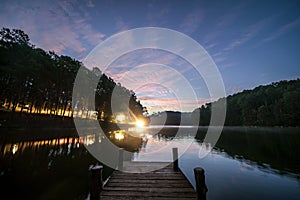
(246, 163)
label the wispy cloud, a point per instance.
(184, 105)
(143, 56)
(283, 29)
(90, 4)
(121, 25)
(192, 21)
(155, 81)
(85, 30)
(209, 46)
(58, 26)
(242, 37)
(249, 33)
(224, 23)
(156, 16)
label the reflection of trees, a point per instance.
(56, 168)
(35, 168)
(271, 105)
(35, 81)
(278, 148)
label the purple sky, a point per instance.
(251, 42)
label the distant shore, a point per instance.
(23, 126)
(39, 126)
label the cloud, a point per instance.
(90, 4)
(87, 33)
(209, 46)
(155, 104)
(60, 25)
(219, 57)
(121, 25)
(154, 82)
(192, 21)
(283, 29)
(224, 22)
(249, 33)
(156, 74)
(228, 19)
(156, 16)
(127, 62)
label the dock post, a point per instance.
(175, 159)
(201, 188)
(97, 182)
(121, 158)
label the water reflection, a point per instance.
(46, 169)
(246, 163)
(275, 149)
(58, 168)
(70, 142)
(53, 168)
(120, 137)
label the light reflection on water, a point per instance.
(160, 149)
(47, 169)
(70, 141)
(233, 175)
(241, 166)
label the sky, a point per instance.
(252, 43)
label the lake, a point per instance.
(246, 163)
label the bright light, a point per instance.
(120, 118)
(139, 123)
(119, 135)
(15, 148)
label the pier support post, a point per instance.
(175, 159)
(97, 182)
(201, 188)
(121, 158)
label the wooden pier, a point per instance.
(163, 183)
(147, 180)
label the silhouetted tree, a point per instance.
(34, 79)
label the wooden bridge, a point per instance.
(166, 181)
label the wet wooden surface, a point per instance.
(162, 183)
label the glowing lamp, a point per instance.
(139, 123)
(120, 118)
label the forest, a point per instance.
(275, 104)
(39, 82)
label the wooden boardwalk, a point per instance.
(160, 184)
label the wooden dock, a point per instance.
(163, 183)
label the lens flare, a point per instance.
(139, 123)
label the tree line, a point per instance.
(275, 104)
(35, 81)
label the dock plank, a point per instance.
(155, 184)
(162, 184)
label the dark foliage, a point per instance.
(270, 105)
(42, 82)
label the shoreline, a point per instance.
(23, 126)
